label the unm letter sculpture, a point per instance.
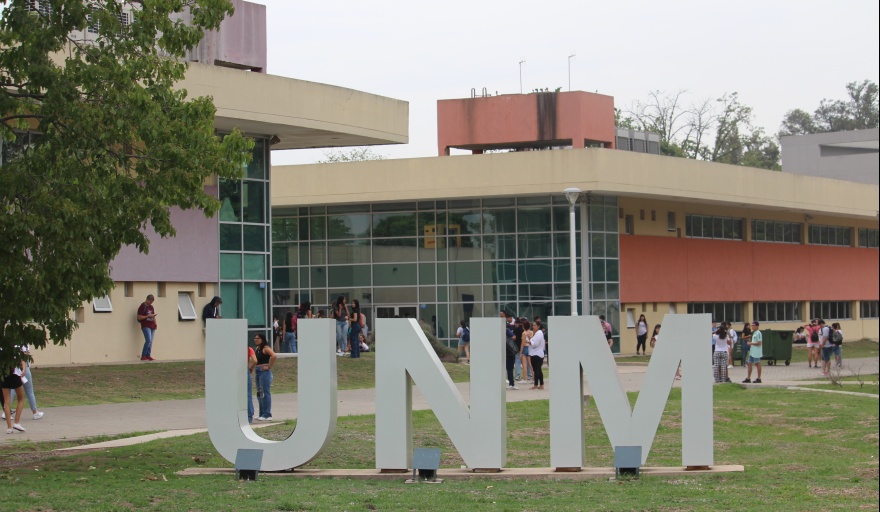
(479, 433)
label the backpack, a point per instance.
(466, 335)
(815, 336)
(836, 338)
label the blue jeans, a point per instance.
(148, 341)
(341, 335)
(354, 341)
(250, 398)
(264, 384)
(28, 389)
(289, 343)
(745, 350)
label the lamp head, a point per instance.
(572, 195)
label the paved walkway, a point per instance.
(76, 422)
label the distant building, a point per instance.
(850, 156)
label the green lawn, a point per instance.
(147, 382)
(802, 451)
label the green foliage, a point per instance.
(718, 130)
(350, 155)
(860, 111)
(98, 144)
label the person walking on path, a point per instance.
(146, 315)
(265, 361)
(756, 352)
(12, 380)
(464, 341)
(28, 384)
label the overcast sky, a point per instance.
(778, 55)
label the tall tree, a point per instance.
(860, 111)
(718, 130)
(97, 143)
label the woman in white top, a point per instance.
(721, 356)
(641, 335)
(537, 345)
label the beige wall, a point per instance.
(714, 187)
(116, 337)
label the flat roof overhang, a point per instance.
(597, 171)
(301, 114)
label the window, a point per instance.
(776, 231)
(868, 237)
(830, 235)
(128, 289)
(670, 221)
(869, 309)
(831, 310)
(185, 307)
(102, 304)
(629, 225)
(705, 226)
(776, 311)
(671, 308)
(720, 311)
(630, 318)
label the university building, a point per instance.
(448, 238)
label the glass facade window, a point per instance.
(776, 311)
(244, 244)
(868, 238)
(830, 235)
(868, 309)
(706, 226)
(720, 311)
(776, 231)
(831, 310)
(442, 261)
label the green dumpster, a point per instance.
(777, 346)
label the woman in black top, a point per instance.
(355, 330)
(340, 312)
(265, 361)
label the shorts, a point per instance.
(812, 344)
(525, 351)
(753, 360)
(835, 349)
(826, 353)
(11, 381)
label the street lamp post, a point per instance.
(572, 195)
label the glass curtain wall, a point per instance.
(245, 242)
(446, 260)
(604, 262)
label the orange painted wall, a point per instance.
(514, 118)
(662, 269)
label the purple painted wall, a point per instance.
(192, 256)
(240, 41)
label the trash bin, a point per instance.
(777, 346)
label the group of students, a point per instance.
(823, 342)
(724, 337)
(16, 384)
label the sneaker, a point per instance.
(9, 430)
(340, 353)
(38, 415)
(150, 358)
(729, 366)
(747, 381)
(17, 426)
(267, 418)
(2, 415)
(145, 358)
(512, 387)
(260, 418)
(757, 381)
